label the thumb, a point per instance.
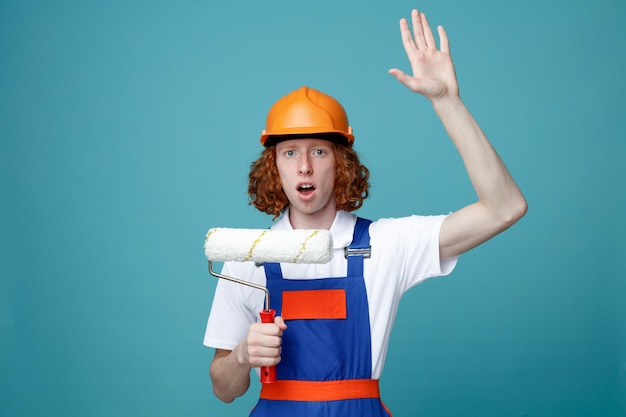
(278, 320)
(399, 75)
(412, 83)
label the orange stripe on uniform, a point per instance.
(292, 390)
(314, 304)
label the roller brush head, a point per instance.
(266, 245)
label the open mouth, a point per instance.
(306, 189)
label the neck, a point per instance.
(319, 220)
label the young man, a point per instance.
(329, 365)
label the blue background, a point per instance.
(127, 130)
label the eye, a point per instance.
(319, 152)
(289, 153)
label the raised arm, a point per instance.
(500, 202)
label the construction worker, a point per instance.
(330, 337)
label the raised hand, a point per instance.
(433, 70)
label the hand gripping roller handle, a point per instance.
(267, 245)
(268, 373)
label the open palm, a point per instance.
(433, 70)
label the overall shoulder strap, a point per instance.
(359, 248)
(273, 270)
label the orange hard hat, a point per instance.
(306, 112)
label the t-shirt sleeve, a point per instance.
(413, 245)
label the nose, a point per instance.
(304, 165)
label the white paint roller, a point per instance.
(267, 245)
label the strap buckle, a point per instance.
(365, 252)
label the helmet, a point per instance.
(305, 112)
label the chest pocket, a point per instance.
(314, 304)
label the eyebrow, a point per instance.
(317, 144)
(322, 143)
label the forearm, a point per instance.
(492, 182)
(230, 377)
(500, 202)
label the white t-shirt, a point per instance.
(405, 252)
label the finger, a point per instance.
(271, 329)
(273, 342)
(257, 340)
(428, 33)
(444, 44)
(263, 361)
(407, 40)
(418, 30)
(264, 356)
(260, 330)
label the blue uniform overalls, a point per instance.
(326, 360)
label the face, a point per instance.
(307, 173)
